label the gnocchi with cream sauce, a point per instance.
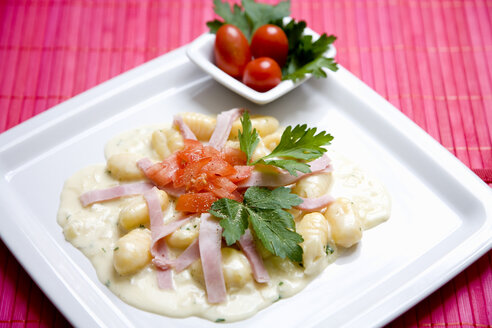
(118, 238)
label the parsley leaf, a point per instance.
(315, 67)
(273, 228)
(248, 139)
(290, 165)
(264, 210)
(305, 56)
(301, 143)
(264, 198)
(234, 16)
(248, 18)
(298, 143)
(260, 14)
(234, 218)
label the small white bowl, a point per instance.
(201, 52)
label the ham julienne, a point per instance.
(207, 246)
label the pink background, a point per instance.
(431, 59)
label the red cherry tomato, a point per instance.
(262, 74)
(232, 52)
(270, 41)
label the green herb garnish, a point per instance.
(248, 17)
(305, 56)
(264, 209)
(296, 145)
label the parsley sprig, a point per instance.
(264, 210)
(297, 145)
(305, 56)
(249, 16)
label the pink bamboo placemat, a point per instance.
(432, 59)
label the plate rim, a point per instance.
(77, 104)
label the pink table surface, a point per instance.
(431, 59)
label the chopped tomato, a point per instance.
(224, 183)
(222, 187)
(205, 173)
(195, 202)
(162, 173)
(211, 152)
(184, 176)
(243, 172)
(234, 156)
(192, 151)
(219, 167)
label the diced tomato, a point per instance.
(219, 167)
(184, 176)
(236, 195)
(222, 187)
(234, 156)
(243, 172)
(219, 192)
(199, 183)
(191, 144)
(192, 152)
(205, 173)
(211, 152)
(195, 202)
(162, 173)
(224, 183)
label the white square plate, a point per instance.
(201, 52)
(441, 218)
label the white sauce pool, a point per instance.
(94, 230)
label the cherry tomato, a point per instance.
(262, 74)
(270, 41)
(232, 52)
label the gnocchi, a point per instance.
(115, 234)
(166, 141)
(235, 268)
(132, 251)
(136, 213)
(345, 223)
(265, 125)
(185, 235)
(124, 167)
(318, 244)
(202, 125)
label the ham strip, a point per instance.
(315, 204)
(209, 241)
(268, 179)
(162, 231)
(174, 192)
(100, 195)
(249, 249)
(184, 129)
(145, 163)
(190, 255)
(158, 247)
(223, 127)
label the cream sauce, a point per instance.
(94, 230)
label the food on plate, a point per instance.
(270, 41)
(262, 74)
(217, 217)
(271, 36)
(231, 50)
